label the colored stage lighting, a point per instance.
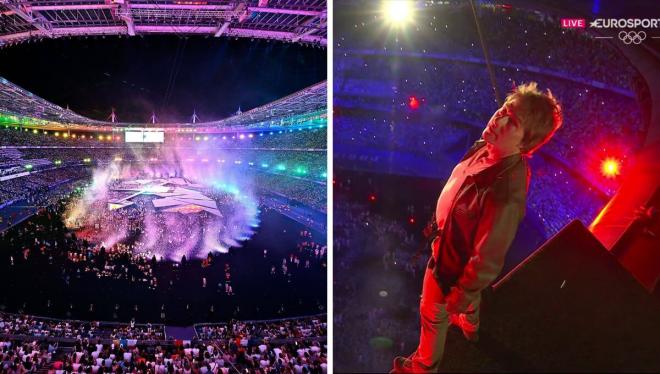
(610, 167)
(398, 12)
(413, 103)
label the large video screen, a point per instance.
(144, 136)
(154, 136)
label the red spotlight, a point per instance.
(610, 167)
(413, 103)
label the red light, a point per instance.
(411, 220)
(372, 197)
(413, 103)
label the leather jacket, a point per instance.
(481, 225)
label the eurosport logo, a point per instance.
(630, 23)
(628, 37)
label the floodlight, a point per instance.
(398, 12)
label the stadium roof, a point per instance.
(302, 21)
(32, 110)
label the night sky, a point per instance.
(213, 76)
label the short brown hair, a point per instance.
(539, 113)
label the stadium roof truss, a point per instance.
(302, 21)
(28, 109)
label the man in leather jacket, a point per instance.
(477, 216)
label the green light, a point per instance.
(28, 166)
(280, 167)
(264, 165)
(324, 175)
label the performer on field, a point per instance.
(477, 215)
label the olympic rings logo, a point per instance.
(632, 37)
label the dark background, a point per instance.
(171, 75)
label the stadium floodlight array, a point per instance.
(21, 107)
(300, 21)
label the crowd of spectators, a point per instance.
(194, 357)
(314, 219)
(413, 106)
(35, 186)
(453, 97)
(558, 196)
(294, 345)
(19, 136)
(250, 331)
(519, 36)
(593, 118)
(243, 332)
(310, 137)
(43, 328)
(377, 264)
(309, 193)
(292, 163)
(18, 356)
(376, 80)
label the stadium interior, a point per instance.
(163, 244)
(412, 93)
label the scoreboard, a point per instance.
(136, 135)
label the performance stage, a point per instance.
(172, 195)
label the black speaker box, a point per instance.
(571, 306)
